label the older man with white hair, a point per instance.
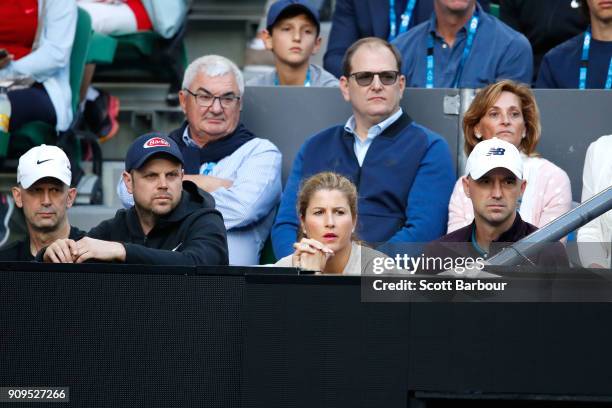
(240, 170)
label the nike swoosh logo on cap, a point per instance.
(42, 161)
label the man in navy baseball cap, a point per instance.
(148, 145)
(171, 223)
(154, 175)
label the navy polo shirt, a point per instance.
(498, 52)
(561, 65)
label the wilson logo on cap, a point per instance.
(496, 151)
(156, 142)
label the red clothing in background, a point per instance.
(143, 22)
(18, 27)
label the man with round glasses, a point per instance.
(206, 100)
(402, 170)
(241, 171)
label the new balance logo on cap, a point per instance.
(156, 142)
(493, 153)
(496, 151)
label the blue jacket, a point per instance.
(498, 52)
(404, 184)
(561, 66)
(355, 19)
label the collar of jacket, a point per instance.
(517, 231)
(393, 130)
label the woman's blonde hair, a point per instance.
(487, 97)
(325, 181)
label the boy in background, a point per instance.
(292, 34)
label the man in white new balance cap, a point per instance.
(44, 194)
(494, 182)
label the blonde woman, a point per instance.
(327, 207)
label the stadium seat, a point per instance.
(494, 9)
(102, 49)
(164, 59)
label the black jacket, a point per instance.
(192, 234)
(458, 244)
(20, 250)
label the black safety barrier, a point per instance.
(265, 337)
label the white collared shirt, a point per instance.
(188, 140)
(361, 147)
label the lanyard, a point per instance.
(306, 81)
(584, 62)
(609, 77)
(429, 75)
(406, 15)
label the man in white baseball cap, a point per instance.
(44, 194)
(494, 182)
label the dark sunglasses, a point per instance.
(365, 78)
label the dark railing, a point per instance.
(555, 230)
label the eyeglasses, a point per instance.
(206, 100)
(365, 78)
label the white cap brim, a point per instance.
(478, 173)
(27, 180)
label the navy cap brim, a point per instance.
(149, 144)
(141, 161)
(271, 21)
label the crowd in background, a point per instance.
(386, 178)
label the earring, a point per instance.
(477, 135)
(523, 135)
